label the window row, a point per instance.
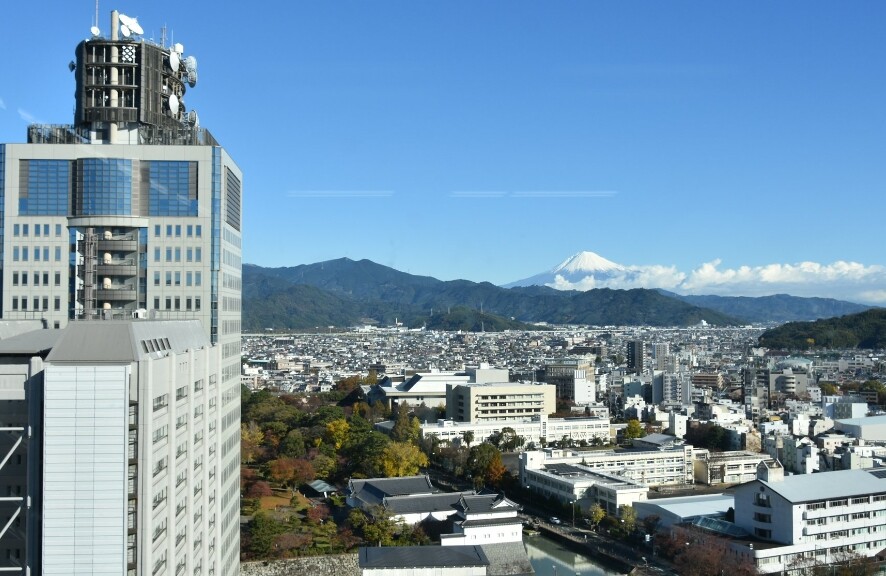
(175, 254)
(39, 304)
(40, 230)
(175, 230)
(37, 278)
(23, 253)
(175, 278)
(175, 303)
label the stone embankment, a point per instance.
(341, 565)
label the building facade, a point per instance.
(131, 212)
(534, 432)
(573, 377)
(499, 401)
(673, 466)
(812, 520)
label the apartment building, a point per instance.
(474, 402)
(812, 519)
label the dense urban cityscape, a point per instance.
(162, 415)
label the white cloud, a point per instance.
(340, 194)
(666, 277)
(27, 116)
(842, 280)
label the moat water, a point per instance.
(550, 558)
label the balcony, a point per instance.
(115, 294)
(125, 243)
(120, 268)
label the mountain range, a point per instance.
(346, 292)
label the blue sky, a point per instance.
(491, 140)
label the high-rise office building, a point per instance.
(134, 212)
(636, 356)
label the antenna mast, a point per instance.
(95, 22)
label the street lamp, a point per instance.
(572, 505)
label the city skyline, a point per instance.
(490, 142)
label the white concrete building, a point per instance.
(870, 429)
(499, 401)
(484, 519)
(812, 518)
(141, 452)
(582, 486)
(536, 431)
(648, 467)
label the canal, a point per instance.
(551, 558)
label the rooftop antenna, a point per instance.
(163, 36)
(94, 29)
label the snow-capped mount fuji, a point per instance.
(585, 268)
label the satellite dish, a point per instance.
(136, 27)
(95, 31)
(191, 63)
(192, 118)
(178, 48)
(72, 66)
(174, 60)
(125, 20)
(124, 29)
(192, 78)
(173, 105)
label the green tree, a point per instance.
(293, 444)
(467, 436)
(485, 465)
(508, 439)
(377, 527)
(828, 388)
(406, 428)
(628, 517)
(263, 530)
(596, 513)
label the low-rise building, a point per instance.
(578, 484)
(812, 519)
(484, 519)
(648, 467)
(727, 467)
(685, 509)
(536, 431)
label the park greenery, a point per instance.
(288, 441)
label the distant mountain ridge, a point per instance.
(776, 308)
(345, 292)
(588, 269)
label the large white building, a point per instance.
(132, 211)
(812, 519)
(672, 466)
(141, 452)
(535, 431)
(499, 401)
(583, 486)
